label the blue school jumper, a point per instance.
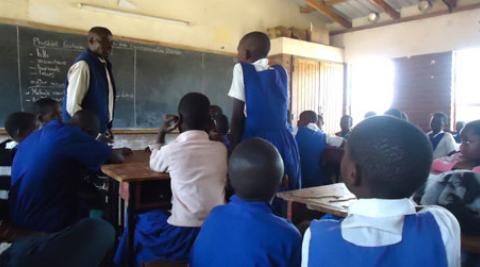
(96, 99)
(244, 233)
(311, 145)
(156, 239)
(421, 246)
(266, 95)
(46, 173)
(435, 139)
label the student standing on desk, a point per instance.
(198, 174)
(260, 105)
(245, 232)
(312, 141)
(89, 84)
(386, 160)
(48, 168)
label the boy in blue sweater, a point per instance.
(245, 232)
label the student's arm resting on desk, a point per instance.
(78, 82)
(87, 151)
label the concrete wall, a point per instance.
(426, 36)
(215, 24)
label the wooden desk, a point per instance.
(133, 173)
(334, 199)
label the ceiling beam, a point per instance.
(333, 2)
(392, 12)
(451, 4)
(325, 9)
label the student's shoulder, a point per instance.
(442, 216)
(285, 227)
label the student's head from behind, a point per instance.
(20, 124)
(438, 121)
(346, 123)
(221, 124)
(370, 114)
(394, 113)
(99, 41)
(386, 158)
(253, 46)
(470, 146)
(215, 110)
(306, 117)
(87, 121)
(255, 170)
(47, 109)
(193, 111)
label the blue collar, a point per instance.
(260, 206)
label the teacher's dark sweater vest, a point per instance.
(96, 99)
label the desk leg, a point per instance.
(131, 223)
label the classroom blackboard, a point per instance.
(150, 79)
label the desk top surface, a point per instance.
(135, 169)
(334, 199)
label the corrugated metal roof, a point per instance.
(356, 8)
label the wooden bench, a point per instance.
(471, 244)
(164, 264)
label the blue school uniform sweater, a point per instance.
(311, 145)
(266, 98)
(46, 172)
(244, 233)
(96, 99)
(421, 246)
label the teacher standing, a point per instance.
(89, 84)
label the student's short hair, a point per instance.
(217, 108)
(221, 124)
(87, 121)
(45, 106)
(258, 43)
(194, 109)
(370, 114)
(441, 116)
(393, 157)
(473, 127)
(394, 113)
(19, 123)
(255, 170)
(98, 30)
(309, 115)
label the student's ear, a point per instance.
(180, 122)
(248, 54)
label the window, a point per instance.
(371, 86)
(466, 93)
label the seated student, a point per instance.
(84, 244)
(198, 173)
(458, 129)
(214, 111)
(18, 126)
(394, 113)
(442, 142)
(312, 141)
(260, 105)
(220, 133)
(370, 114)
(48, 168)
(346, 123)
(469, 156)
(47, 109)
(245, 232)
(386, 160)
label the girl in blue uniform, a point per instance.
(260, 107)
(386, 160)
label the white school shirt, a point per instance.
(379, 222)
(198, 174)
(78, 82)
(446, 145)
(335, 141)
